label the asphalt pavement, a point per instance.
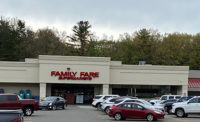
(82, 113)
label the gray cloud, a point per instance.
(107, 16)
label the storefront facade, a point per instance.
(194, 83)
(83, 77)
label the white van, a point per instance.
(169, 97)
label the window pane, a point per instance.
(113, 100)
(129, 106)
(124, 105)
(2, 98)
(106, 97)
(164, 98)
(139, 107)
(136, 106)
(12, 98)
(118, 101)
(138, 101)
(61, 98)
(97, 97)
(129, 101)
(195, 100)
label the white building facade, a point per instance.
(75, 75)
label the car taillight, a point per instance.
(37, 103)
(16, 120)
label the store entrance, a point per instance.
(74, 93)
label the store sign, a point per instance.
(69, 75)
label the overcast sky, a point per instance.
(110, 17)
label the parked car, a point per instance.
(12, 101)
(98, 99)
(182, 109)
(11, 116)
(141, 101)
(185, 98)
(153, 101)
(165, 104)
(165, 97)
(168, 103)
(111, 101)
(53, 103)
(134, 110)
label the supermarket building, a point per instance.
(80, 78)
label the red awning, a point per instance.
(194, 83)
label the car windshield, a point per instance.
(118, 101)
(183, 99)
(164, 98)
(49, 99)
(146, 103)
(19, 97)
(97, 97)
(163, 102)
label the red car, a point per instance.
(12, 102)
(134, 110)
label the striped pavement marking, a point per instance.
(27, 119)
(86, 107)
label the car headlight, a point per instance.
(158, 109)
(50, 104)
(158, 112)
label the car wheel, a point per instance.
(28, 111)
(165, 108)
(180, 113)
(118, 116)
(99, 107)
(169, 111)
(54, 107)
(186, 115)
(63, 107)
(150, 117)
(107, 110)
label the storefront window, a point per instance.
(75, 94)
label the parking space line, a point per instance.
(27, 119)
(180, 119)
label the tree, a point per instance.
(174, 49)
(145, 42)
(46, 42)
(13, 36)
(124, 49)
(194, 54)
(81, 35)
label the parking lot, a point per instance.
(82, 113)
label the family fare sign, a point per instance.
(69, 75)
